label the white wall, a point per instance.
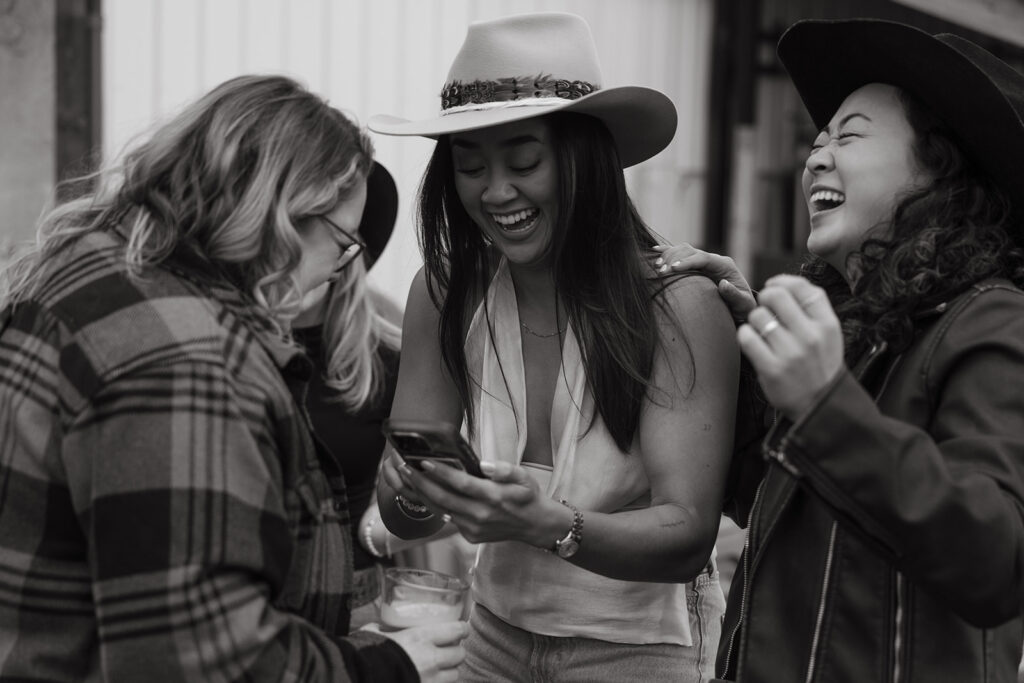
(391, 56)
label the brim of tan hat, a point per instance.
(828, 60)
(641, 120)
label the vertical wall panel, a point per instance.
(222, 48)
(129, 98)
(305, 43)
(177, 61)
(262, 24)
(391, 56)
(346, 53)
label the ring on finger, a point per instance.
(770, 327)
(446, 518)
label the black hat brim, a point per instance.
(979, 97)
(378, 220)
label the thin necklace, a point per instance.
(541, 336)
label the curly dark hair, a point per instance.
(945, 237)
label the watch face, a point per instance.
(568, 548)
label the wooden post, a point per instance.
(27, 113)
(49, 108)
(78, 87)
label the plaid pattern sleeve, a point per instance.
(163, 514)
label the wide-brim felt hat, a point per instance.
(976, 94)
(529, 65)
(379, 214)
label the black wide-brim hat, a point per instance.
(976, 94)
(378, 220)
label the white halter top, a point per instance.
(523, 585)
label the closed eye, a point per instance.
(471, 172)
(525, 169)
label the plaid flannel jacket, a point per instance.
(164, 514)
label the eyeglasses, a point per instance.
(355, 247)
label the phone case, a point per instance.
(417, 440)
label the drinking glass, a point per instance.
(412, 597)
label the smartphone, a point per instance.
(417, 440)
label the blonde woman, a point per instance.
(164, 514)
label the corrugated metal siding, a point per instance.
(391, 56)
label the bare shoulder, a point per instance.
(427, 295)
(694, 299)
(421, 312)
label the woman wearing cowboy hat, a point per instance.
(886, 531)
(600, 399)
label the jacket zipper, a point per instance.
(746, 574)
(897, 641)
(779, 456)
(821, 603)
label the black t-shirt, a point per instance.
(355, 439)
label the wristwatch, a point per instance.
(567, 547)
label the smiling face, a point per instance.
(507, 180)
(327, 248)
(859, 167)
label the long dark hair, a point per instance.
(600, 269)
(945, 236)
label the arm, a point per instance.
(947, 504)
(189, 540)
(425, 392)
(685, 437)
(944, 502)
(752, 413)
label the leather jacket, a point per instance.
(886, 525)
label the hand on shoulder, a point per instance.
(732, 286)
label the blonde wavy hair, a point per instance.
(356, 326)
(224, 184)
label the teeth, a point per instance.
(510, 220)
(829, 196)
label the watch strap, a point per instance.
(575, 533)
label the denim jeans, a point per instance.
(497, 651)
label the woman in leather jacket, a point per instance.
(884, 504)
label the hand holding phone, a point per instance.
(418, 440)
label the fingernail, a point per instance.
(487, 468)
(428, 466)
(676, 263)
(659, 261)
(663, 269)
